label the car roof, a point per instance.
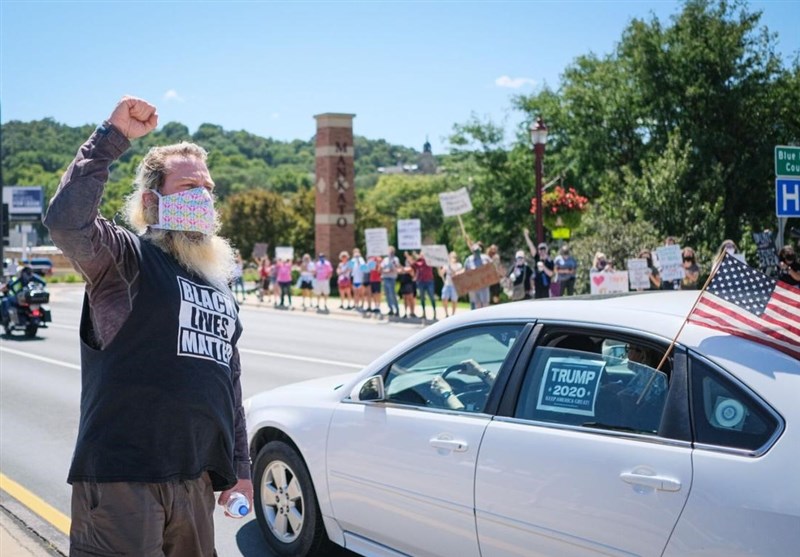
(657, 313)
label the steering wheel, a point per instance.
(453, 369)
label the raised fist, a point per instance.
(134, 117)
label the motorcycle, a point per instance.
(30, 312)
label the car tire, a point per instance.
(31, 330)
(286, 504)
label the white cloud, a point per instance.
(513, 82)
(172, 95)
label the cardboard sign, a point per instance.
(765, 245)
(436, 255)
(569, 386)
(606, 283)
(638, 274)
(259, 250)
(671, 262)
(409, 234)
(377, 240)
(475, 279)
(284, 253)
(455, 202)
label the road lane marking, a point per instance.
(301, 358)
(35, 504)
(40, 358)
(242, 350)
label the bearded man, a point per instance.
(162, 425)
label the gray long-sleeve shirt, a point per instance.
(105, 257)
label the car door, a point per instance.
(583, 464)
(401, 471)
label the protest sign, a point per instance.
(259, 250)
(570, 385)
(455, 202)
(409, 234)
(670, 262)
(765, 248)
(638, 274)
(377, 240)
(475, 279)
(284, 253)
(606, 283)
(436, 255)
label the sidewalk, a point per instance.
(251, 301)
(17, 540)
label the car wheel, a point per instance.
(285, 503)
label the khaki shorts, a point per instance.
(322, 287)
(172, 519)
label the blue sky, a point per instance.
(406, 69)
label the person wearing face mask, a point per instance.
(477, 298)
(727, 246)
(162, 425)
(521, 275)
(652, 271)
(788, 266)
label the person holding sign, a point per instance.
(655, 278)
(390, 265)
(788, 267)
(344, 281)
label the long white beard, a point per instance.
(210, 257)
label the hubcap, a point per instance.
(282, 501)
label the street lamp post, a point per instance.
(539, 138)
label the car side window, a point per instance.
(454, 371)
(724, 414)
(597, 383)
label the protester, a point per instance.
(375, 281)
(520, 275)
(477, 298)
(264, 270)
(565, 267)
(652, 271)
(161, 407)
(358, 266)
(344, 281)
(390, 266)
(408, 289)
(788, 266)
(238, 278)
(691, 270)
(284, 278)
(425, 286)
(323, 270)
(601, 264)
(307, 272)
(545, 267)
(493, 253)
(449, 292)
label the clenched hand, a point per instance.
(134, 117)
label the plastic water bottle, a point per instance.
(237, 505)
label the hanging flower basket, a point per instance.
(562, 208)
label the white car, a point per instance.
(543, 428)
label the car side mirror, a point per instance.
(370, 388)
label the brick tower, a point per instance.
(336, 201)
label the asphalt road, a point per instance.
(40, 390)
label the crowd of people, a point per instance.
(364, 284)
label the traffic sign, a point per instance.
(787, 160)
(787, 197)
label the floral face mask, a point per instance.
(187, 211)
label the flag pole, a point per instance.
(672, 344)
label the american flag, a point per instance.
(744, 302)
